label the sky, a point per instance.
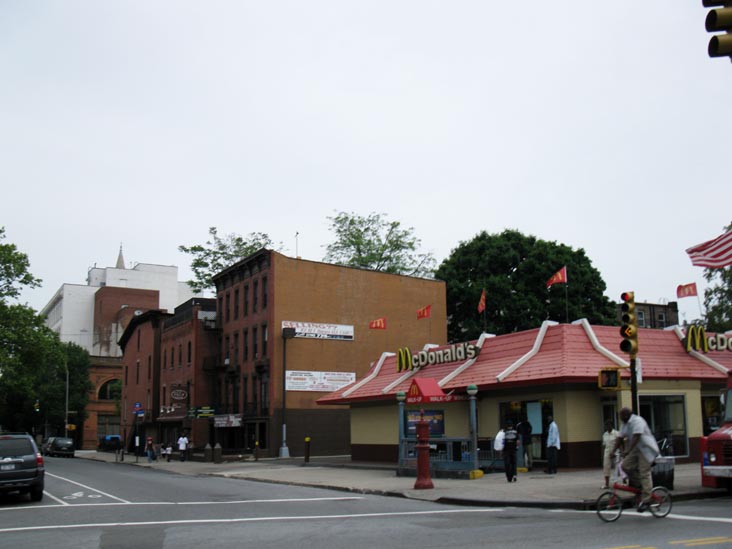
(604, 128)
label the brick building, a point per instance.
(328, 309)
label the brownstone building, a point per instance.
(165, 379)
(307, 324)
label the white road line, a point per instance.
(163, 503)
(54, 498)
(250, 519)
(632, 514)
(87, 487)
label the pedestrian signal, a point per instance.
(609, 378)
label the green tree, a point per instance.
(218, 253)
(374, 243)
(14, 273)
(513, 269)
(718, 298)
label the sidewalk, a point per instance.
(569, 489)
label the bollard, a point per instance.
(218, 453)
(256, 451)
(307, 449)
(424, 482)
(208, 453)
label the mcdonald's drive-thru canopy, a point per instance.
(552, 354)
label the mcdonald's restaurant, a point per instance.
(572, 372)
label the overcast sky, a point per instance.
(602, 127)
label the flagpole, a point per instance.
(701, 312)
(566, 303)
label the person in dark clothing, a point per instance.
(524, 430)
(510, 445)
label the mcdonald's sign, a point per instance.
(454, 353)
(697, 340)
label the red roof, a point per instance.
(552, 354)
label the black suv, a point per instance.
(21, 465)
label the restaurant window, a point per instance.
(666, 417)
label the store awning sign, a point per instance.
(427, 390)
(697, 340)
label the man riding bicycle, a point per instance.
(639, 454)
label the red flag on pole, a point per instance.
(686, 290)
(424, 312)
(378, 324)
(714, 254)
(560, 277)
(481, 303)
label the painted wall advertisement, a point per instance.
(317, 330)
(317, 381)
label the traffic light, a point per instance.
(609, 378)
(629, 329)
(720, 45)
(37, 406)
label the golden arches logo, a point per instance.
(404, 359)
(696, 339)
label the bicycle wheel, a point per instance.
(609, 507)
(661, 504)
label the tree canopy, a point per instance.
(718, 298)
(218, 253)
(32, 359)
(374, 243)
(513, 269)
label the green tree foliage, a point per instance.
(32, 357)
(14, 272)
(718, 298)
(374, 243)
(218, 253)
(513, 269)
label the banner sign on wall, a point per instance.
(317, 330)
(436, 419)
(317, 381)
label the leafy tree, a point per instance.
(718, 298)
(377, 244)
(14, 272)
(219, 253)
(513, 269)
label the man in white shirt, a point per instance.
(183, 446)
(639, 454)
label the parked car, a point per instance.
(61, 446)
(21, 465)
(45, 445)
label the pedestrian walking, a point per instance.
(510, 446)
(524, 430)
(183, 446)
(608, 450)
(149, 449)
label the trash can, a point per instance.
(662, 472)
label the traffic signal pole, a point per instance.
(633, 386)
(629, 333)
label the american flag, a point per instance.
(714, 254)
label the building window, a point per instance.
(165, 358)
(236, 304)
(125, 375)
(149, 367)
(254, 343)
(264, 340)
(220, 310)
(264, 391)
(137, 372)
(110, 390)
(190, 353)
(246, 300)
(245, 340)
(227, 351)
(245, 392)
(661, 320)
(164, 394)
(180, 355)
(641, 319)
(236, 347)
(228, 307)
(666, 417)
(255, 295)
(172, 357)
(264, 293)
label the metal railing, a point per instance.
(449, 453)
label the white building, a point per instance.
(71, 311)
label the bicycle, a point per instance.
(610, 504)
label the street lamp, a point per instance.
(472, 391)
(287, 333)
(66, 408)
(401, 396)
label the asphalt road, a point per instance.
(93, 504)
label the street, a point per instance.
(94, 504)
